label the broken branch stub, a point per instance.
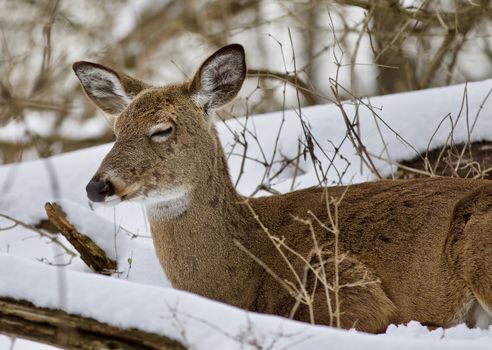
(90, 252)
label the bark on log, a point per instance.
(89, 252)
(54, 327)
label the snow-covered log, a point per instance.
(55, 327)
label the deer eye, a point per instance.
(161, 135)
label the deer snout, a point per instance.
(97, 191)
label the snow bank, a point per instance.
(413, 122)
(198, 322)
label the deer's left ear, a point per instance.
(109, 90)
(219, 78)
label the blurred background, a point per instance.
(371, 47)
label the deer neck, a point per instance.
(197, 248)
(212, 200)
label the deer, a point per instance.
(426, 243)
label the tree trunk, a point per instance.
(396, 70)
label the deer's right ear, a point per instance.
(109, 90)
(219, 78)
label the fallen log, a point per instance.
(58, 328)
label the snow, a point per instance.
(119, 245)
(139, 296)
(416, 330)
(6, 343)
(413, 118)
(195, 321)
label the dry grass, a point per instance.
(323, 261)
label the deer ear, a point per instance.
(219, 78)
(109, 90)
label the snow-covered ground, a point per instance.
(139, 295)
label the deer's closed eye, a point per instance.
(161, 135)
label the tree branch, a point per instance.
(42, 230)
(290, 79)
(437, 60)
(89, 252)
(449, 18)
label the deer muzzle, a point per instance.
(97, 191)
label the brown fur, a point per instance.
(428, 241)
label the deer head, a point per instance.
(165, 141)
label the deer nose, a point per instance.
(97, 191)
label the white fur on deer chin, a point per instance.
(110, 201)
(168, 205)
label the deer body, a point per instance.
(425, 244)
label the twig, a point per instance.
(39, 231)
